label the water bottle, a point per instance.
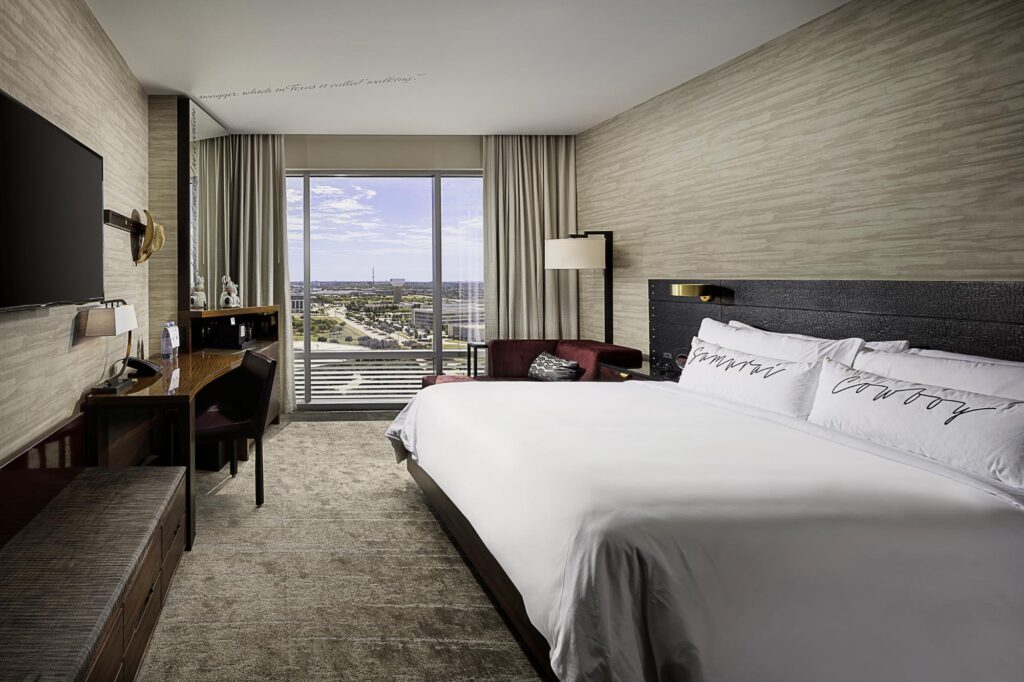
(166, 351)
(175, 340)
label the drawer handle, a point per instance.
(145, 605)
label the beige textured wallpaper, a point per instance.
(163, 202)
(884, 140)
(55, 58)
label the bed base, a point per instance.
(488, 572)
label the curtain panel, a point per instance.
(242, 207)
(529, 196)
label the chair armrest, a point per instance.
(590, 354)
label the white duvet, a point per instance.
(657, 535)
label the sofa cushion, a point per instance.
(548, 367)
(434, 379)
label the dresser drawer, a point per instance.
(136, 648)
(172, 557)
(174, 518)
(107, 660)
(142, 585)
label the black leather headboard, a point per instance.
(981, 318)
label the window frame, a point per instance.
(437, 352)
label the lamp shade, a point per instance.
(574, 254)
(110, 321)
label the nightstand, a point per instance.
(644, 372)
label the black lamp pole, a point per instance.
(607, 234)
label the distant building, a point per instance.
(466, 314)
(396, 290)
(298, 303)
(466, 332)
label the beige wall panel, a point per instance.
(383, 152)
(884, 140)
(163, 198)
(55, 58)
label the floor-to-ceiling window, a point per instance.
(387, 282)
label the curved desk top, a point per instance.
(184, 377)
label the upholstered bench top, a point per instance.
(62, 575)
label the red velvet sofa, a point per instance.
(510, 359)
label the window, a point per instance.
(371, 262)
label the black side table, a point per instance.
(473, 357)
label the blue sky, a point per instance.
(384, 224)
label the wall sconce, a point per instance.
(702, 291)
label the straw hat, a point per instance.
(154, 239)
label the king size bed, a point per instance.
(648, 531)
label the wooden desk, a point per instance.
(169, 396)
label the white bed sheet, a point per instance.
(657, 534)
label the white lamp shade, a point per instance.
(110, 321)
(574, 254)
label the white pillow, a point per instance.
(775, 385)
(927, 352)
(892, 346)
(788, 348)
(976, 433)
(978, 377)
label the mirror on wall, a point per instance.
(205, 134)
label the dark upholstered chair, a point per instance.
(234, 408)
(510, 359)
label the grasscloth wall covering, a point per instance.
(55, 58)
(884, 140)
(163, 202)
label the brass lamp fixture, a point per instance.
(702, 291)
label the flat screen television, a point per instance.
(51, 213)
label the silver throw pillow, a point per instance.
(548, 367)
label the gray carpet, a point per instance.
(342, 574)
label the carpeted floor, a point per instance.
(342, 574)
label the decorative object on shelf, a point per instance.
(153, 241)
(197, 300)
(579, 252)
(113, 318)
(229, 296)
(704, 292)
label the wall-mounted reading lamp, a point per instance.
(578, 252)
(702, 291)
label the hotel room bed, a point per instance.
(656, 534)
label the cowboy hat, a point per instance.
(153, 241)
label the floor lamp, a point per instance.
(579, 252)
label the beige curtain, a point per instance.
(529, 196)
(243, 229)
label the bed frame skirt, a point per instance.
(488, 572)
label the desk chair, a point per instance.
(234, 408)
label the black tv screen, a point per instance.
(51, 213)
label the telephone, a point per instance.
(143, 368)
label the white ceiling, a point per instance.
(476, 66)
